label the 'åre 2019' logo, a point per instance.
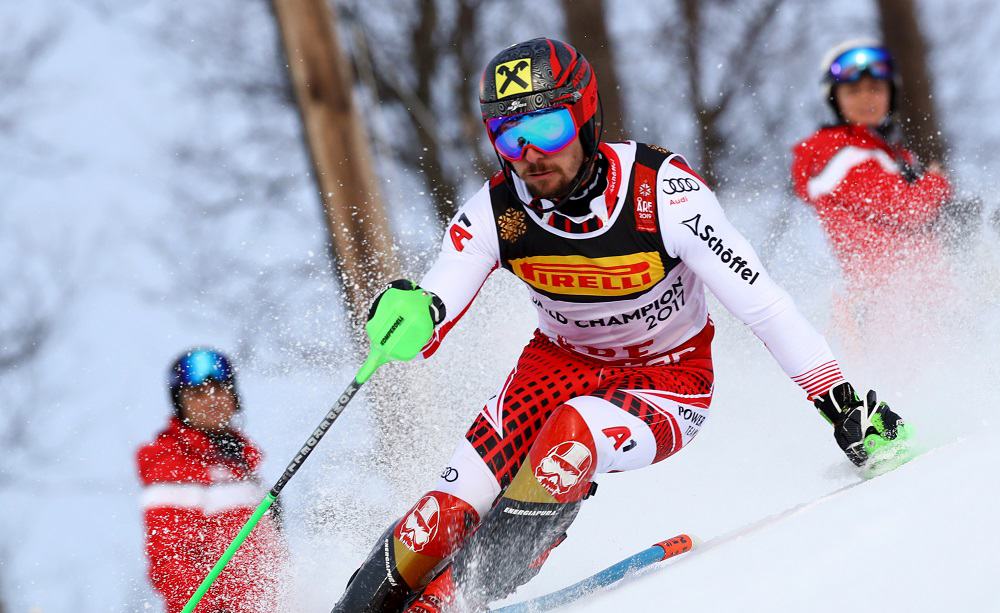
(735, 262)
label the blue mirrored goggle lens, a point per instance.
(549, 131)
(852, 65)
(200, 366)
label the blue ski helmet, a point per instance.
(853, 59)
(197, 366)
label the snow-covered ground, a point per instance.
(918, 539)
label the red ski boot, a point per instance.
(438, 597)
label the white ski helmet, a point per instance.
(849, 60)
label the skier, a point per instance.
(616, 243)
(199, 487)
(875, 199)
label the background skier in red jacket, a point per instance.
(875, 200)
(200, 487)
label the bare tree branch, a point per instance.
(741, 71)
(586, 26)
(467, 85)
(742, 63)
(34, 293)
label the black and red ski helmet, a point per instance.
(538, 74)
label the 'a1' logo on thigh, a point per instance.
(619, 436)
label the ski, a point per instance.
(682, 543)
(672, 547)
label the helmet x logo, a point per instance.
(516, 75)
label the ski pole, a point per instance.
(663, 550)
(392, 340)
(272, 494)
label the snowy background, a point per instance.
(156, 195)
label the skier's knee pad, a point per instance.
(560, 463)
(429, 532)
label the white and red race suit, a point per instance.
(630, 291)
(619, 373)
(195, 500)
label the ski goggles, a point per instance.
(548, 131)
(851, 65)
(198, 366)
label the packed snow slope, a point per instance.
(918, 539)
(785, 522)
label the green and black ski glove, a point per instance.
(402, 318)
(860, 428)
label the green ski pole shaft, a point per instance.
(397, 332)
(228, 554)
(375, 359)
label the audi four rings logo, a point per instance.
(677, 186)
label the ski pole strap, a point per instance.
(209, 579)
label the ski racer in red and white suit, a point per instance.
(195, 501)
(644, 310)
(618, 375)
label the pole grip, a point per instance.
(209, 579)
(376, 358)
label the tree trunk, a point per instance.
(587, 30)
(902, 35)
(356, 221)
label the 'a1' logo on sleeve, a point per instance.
(460, 234)
(645, 199)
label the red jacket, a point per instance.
(877, 221)
(195, 501)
